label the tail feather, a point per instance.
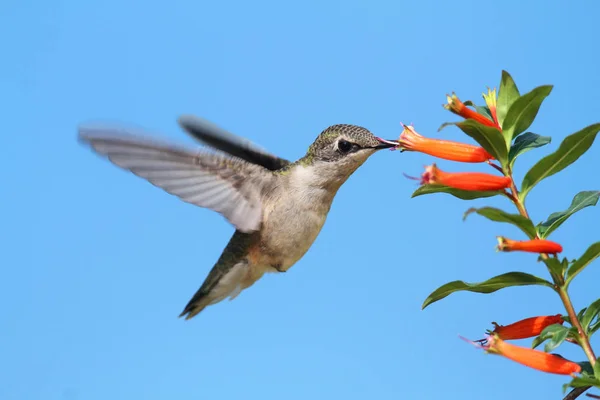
(219, 284)
(194, 307)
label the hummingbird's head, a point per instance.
(345, 144)
(341, 149)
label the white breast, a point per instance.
(296, 217)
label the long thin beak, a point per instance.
(386, 144)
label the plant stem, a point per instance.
(584, 340)
(495, 166)
(575, 393)
(515, 194)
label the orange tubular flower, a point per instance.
(526, 328)
(535, 359)
(530, 246)
(448, 150)
(472, 181)
(457, 107)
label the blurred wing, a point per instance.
(228, 186)
(220, 139)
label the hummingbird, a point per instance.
(277, 207)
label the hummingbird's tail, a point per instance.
(221, 282)
(232, 273)
(195, 306)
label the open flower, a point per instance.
(530, 246)
(455, 151)
(458, 107)
(472, 181)
(535, 359)
(526, 328)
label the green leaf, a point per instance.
(573, 147)
(538, 340)
(590, 314)
(507, 95)
(597, 368)
(586, 368)
(580, 313)
(445, 124)
(585, 381)
(483, 110)
(489, 138)
(594, 327)
(548, 333)
(524, 143)
(522, 112)
(565, 265)
(461, 194)
(497, 215)
(579, 316)
(590, 255)
(557, 339)
(580, 201)
(491, 285)
(554, 265)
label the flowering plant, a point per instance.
(499, 128)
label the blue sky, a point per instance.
(97, 263)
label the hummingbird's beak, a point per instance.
(386, 144)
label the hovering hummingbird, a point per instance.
(278, 207)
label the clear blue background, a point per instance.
(97, 263)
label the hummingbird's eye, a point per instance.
(344, 146)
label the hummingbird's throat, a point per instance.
(323, 175)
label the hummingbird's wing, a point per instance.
(220, 139)
(229, 186)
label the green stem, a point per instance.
(514, 192)
(584, 340)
